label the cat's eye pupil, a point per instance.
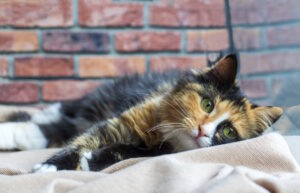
(207, 105)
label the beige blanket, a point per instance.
(264, 164)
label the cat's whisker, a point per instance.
(182, 112)
(190, 122)
(185, 113)
(181, 108)
(168, 129)
(176, 109)
(166, 125)
(164, 128)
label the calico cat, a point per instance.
(137, 115)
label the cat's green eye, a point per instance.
(229, 132)
(207, 105)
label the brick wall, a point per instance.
(61, 49)
(267, 35)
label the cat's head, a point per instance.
(206, 108)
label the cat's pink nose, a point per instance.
(201, 132)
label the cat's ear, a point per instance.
(267, 115)
(225, 70)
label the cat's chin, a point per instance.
(203, 142)
(183, 142)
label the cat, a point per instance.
(142, 115)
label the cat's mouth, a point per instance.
(201, 139)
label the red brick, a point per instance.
(3, 67)
(99, 13)
(164, 63)
(110, 67)
(147, 41)
(257, 11)
(188, 13)
(43, 67)
(59, 90)
(18, 41)
(254, 88)
(19, 92)
(283, 36)
(247, 38)
(207, 40)
(269, 62)
(66, 41)
(42, 13)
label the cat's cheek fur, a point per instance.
(182, 142)
(194, 133)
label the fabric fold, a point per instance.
(263, 164)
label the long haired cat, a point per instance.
(138, 116)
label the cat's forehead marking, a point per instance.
(194, 86)
(203, 90)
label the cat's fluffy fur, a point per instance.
(144, 115)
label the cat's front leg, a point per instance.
(69, 157)
(66, 159)
(89, 160)
(103, 157)
(100, 135)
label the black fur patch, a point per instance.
(107, 156)
(19, 117)
(253, 106)
(66, 159)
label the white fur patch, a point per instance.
(204, 141)
(84, 161)
(48, 115)
(42, 168)
(209, 129)
(21, 135)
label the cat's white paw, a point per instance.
(42, 168)
(84, 161)
(7, 139)
(21, 135)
